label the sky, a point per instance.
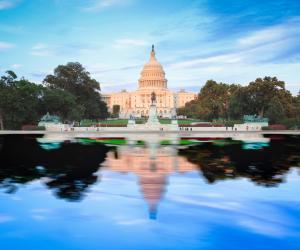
(230, 41)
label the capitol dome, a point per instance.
(152, 75)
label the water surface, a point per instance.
(204, 193)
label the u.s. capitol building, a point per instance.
(137, 103)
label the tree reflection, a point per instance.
(266, 166)
(69, 171)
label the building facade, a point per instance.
(152, 79)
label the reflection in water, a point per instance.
(192, 213)
(152, 171)
(264, 166)
(70, 169)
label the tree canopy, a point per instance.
(69, 93)
(266, 97)
(74, 79)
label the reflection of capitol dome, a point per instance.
(152, 186)
(153, 75)
(153, 173)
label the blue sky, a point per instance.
(231, 41)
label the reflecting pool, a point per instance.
(59, 192)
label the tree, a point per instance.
(275, 111)
(265, 96)
(74, 78)
(297, 105)
(61, 103)
(240, 103)
(5, 82)
(116, 110)
(262, 91)
(9, 78)
(19, 101)
(212, 102)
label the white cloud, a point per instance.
(219, 59)
(5, 45)
(127, 42)
(39, 46)
(41, 49)
(132, 222)
(41, 213)
(15, 66)
(41, 53)
(223, 205)
(257, 47)
(6, 4)
(12, 29)
(270, 51)
(16, 198)
(263, 227)
(271, 34)
(98, 5)
(5, 218)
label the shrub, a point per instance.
(276, 127)
(292, 123)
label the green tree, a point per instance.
(61, 103)
(240, 103)
(297, 105)
(262, 91)
(20, 101)
(5, 82)
(116, 110)
(275, 111)
(212, 102)
(74, 78)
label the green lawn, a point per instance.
(115, 122)
(87, 123)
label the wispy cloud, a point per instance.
(39, 46)
(5, 45)
(72, 48)
(132, 222)
(98, 5)
(258, 46)
(224, 205)
(40, 74)
(219, 59)
(41, 213)
(5, 218)
(7, 4)
(12, 29)
(276, 33)
(16, 66)
(41, 49)
(128, 42)
(264, 227)
(133, 42)
(98, 68)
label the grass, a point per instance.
(124, 122)
(88, 123)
